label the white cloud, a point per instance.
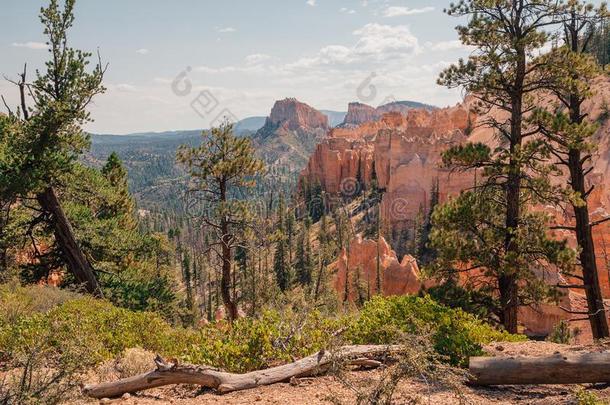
(311, 3)
(142, 51)
(376, 45)
(447, 45)
(385, 40)
(226, 30)
(30, 45)
(347, 10)
(256, 58)
(403, 11)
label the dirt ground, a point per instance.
(330, 390)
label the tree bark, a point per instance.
(584, 237)
(556, 369)
(509, 298)
(225, 281)
(64, 236)
(223, 382)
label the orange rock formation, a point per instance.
(358, 265)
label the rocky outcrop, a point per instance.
(358, 265)
(290, 135)
(293, 115)
(358, 113)
(405, 152)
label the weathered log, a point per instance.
(223, 382)
(556, 369)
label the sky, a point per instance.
(182, 64)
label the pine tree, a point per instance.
(505, 35)
(570, 138)
(188, 279)
(303, 264)
(221, 166)
(425, 254)
(44, 142)
(290, 234)
(123, 204)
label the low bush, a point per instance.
(455, 333)
(99, 331)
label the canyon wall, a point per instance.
(403, 150)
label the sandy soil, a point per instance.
(330, 390)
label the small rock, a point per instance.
(500, 348)
(258, 398)
(105, 401)
(126, 396)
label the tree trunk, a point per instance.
(64, 236)
(223, 382)
(508, 282)
(584, 237)
(225, 281)
(555, 369)
(508, 297)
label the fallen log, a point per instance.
(555, 369)
(223, 382)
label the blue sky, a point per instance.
(243, 55)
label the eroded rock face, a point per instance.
(290, 134)
(405, 152)
(404, 148)
(292, 114)
(358, 113)
(358, 265)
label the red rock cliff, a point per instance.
(404, 149)
(359, 267)
(293, 115)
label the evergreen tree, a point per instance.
(123, 205)
(219, 168)
(505, 36)
(425, 254)
(469, 237)
(290, 234)
(42, 144)
(188, 280)
(570, 133)
(303, 264)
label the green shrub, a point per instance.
(584, 397)
(17, 301)
(455, 333)
(103, 331)
(99, 331)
